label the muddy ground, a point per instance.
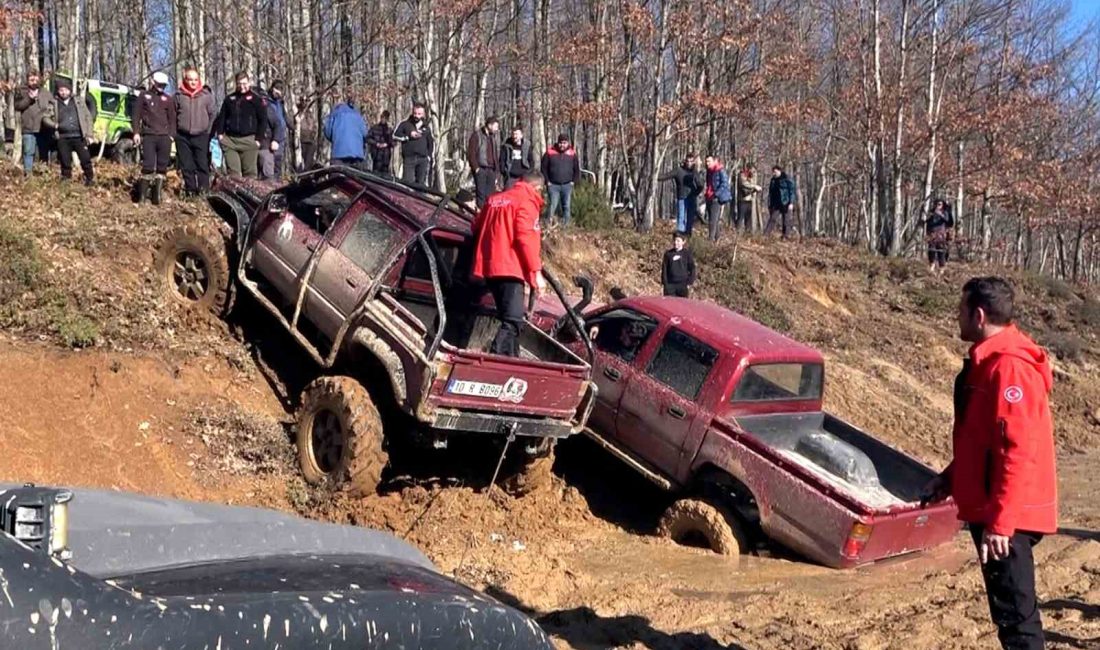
(104, 384)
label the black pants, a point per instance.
(680, 290)
(193, 160)
(1010, 587)
(714, 219)
(414, 171)
(66, 147)
(382, 162)
(508, 296)
(781, 215)
(485, 183)
(156, 151)
(743, 217)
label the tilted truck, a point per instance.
(727, 414)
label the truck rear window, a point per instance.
(780, 381)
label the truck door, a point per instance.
(619, 337)
(659, 408)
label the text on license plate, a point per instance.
(474, 388)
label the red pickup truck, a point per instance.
(726, 413)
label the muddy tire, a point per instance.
(192, 264)
(701, 523)
(531, 475)
(339, 437)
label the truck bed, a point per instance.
(895, 480)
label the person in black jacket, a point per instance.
(689, 185)
(154, 124)
(678, 269)
(481, 154)
(938, 227)
(517, 158)
(561, 170)
(417, 145)
(241, 126)
(380, 145)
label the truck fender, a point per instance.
(232, 213)
(727, 479)
(370, 343)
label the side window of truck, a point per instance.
(622, 332)
(682, 363)
(368, 243)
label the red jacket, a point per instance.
(508, 236)
(1003, 472)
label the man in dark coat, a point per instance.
(195, 111)
(155, 123)
(481, 153)
(417, 146)
(562, 171)
(678, 268)
(781, 196)
(32, 101)
(689, 185)
(380, 145)
(241, 126)
(71, 121)
(517, 157)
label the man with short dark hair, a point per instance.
(561, 169)
(380, 145)
(689, 185)
(241, 126)
(72, 123)
(517, 158)
(280, 126)
(1002, 476)
(32, 101)
(417, 145)
(718, 194)
(507, 255)
(781, 196)
(678, 268)
(481, 153)
(154, 123)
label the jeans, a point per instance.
(686, 210)
(193, 160)
(563, 195)
(1010, 589)
(30, 145)
(508, 296)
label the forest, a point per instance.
(875, 107)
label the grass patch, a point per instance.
(1088, 312)
(590, 209)
(1064, 345)
(241, 442)
(21, 267)
(735, 284)
(1051, 286)
(934, 301)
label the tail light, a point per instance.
(857, 540)
(38, 517)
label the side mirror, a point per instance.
(277, 203)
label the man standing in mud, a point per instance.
(1002, 476)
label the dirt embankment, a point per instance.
(156, 403)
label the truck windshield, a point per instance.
(780, 381)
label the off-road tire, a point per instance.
(192, 263)
(717, 525)
(358, 464)
(124, 152)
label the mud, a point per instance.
(577, 553)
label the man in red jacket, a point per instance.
(1002, 477)
(507, 256)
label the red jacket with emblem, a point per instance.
(508, 237)
(1003, 473)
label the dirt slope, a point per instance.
(159, 404)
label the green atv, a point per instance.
(114, 110)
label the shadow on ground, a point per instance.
(584, 629)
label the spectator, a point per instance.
(417, 145)
(72, 123)
(240, 127)
(781, 195)
(507, 255)
(938, 227)
(1002, 475)
(561, 170)
(718, 194)
(481, 153)
(346, 130)
(747, 190)
(154, 123)
(277, 110)
(678, 268)
(194, 118)
(517, 158)
(33, 101)
(307, 126)
(380, 145)
(689, 185)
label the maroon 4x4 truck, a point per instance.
(726, 413)
(370, 277)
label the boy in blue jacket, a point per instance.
(347, 131)
(718, 194)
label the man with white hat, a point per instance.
(154, 125)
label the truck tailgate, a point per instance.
(483, 382)
(908, 529)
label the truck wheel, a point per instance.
(124, 152)
(531, 474)
(694, 522)
(340, 436)
(193, 264)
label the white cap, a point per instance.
(160, 79)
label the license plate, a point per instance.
(474, 388)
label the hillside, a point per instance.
(104, 383)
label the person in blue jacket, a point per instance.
(717, 194)
(782, 193)
(347, 131)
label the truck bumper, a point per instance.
(455, 420)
